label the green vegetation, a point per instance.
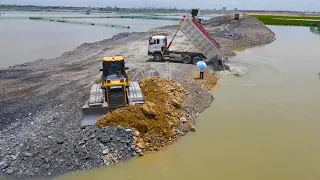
(61, 21)
(289, 20)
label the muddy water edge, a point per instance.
(263, 125)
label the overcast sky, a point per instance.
(296, 5)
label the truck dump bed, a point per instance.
(201, 39)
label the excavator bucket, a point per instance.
(90, 115)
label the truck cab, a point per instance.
(157, 46)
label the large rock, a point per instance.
(148, 110)
(176, 102)
(151, 104)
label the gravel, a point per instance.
(41, 101)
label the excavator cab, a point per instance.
(114, 91)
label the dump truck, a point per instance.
(114, 90)
(190, 26)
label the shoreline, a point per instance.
(41, 135)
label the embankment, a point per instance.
(41, 101)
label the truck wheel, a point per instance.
(196, 59)
(157, 57)
(186, 59)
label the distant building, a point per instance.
(235, 9)
(224, 9)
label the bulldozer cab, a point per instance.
(112, 92)
(113, 69)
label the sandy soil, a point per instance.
(41, 101)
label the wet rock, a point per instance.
(139, 150)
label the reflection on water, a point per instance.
(263, 125)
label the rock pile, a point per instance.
(159, 121)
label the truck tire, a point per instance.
(196, 59)
(157, 57)
(186, 59)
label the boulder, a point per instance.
(175, 102)
(148, 110)
(151, 104)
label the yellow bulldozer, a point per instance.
(115, 90)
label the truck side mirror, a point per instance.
(100, 70)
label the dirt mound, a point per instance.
(158, 119)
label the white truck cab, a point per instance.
(157, 45)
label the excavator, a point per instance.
(114, 90)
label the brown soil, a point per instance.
(158, 119)
(210, 81)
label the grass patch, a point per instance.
(289, 20)
(63, 21)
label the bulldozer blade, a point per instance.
(92, 114)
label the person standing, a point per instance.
(202, 67)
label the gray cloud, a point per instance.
(301, 5)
